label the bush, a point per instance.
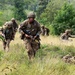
(65, 19)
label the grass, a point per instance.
(48, 60)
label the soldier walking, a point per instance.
(8, 32)
(30, 30)
(14, 24)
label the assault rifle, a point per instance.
(29, 33)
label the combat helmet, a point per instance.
(67, 30)
(9, 25)
(31, 15)
(13, 19)
(6, 23)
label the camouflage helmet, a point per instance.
(6, 23)
(13, 19)
(4, 27)
(67, 30)
(31, 15)
(9, 24)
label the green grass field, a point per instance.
(48, 60)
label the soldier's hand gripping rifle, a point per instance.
(28, 35)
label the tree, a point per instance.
(19, 13)
(65, 19)
(41, 6)
(51, 9)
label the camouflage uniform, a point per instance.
(34, 30)
(8, 31)
(47, 31)
(42, 30)
(15, 25)
(66, 35)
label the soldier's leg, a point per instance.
(39, 45)
(4, 44)
(47, 33)
(22, 36)
(29, 49)
(35, 46)
(43, 33)
(14, 34)
(8, 43)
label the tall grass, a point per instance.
(48, 60)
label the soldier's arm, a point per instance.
(62, 35)
(16, 25)
(21, 27)
(72, 36)
(39, 31)
(4, 29)
(13, 31)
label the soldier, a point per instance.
(47, 31)
(42, 30)
(15, 25)
(66, 35)
(8, 31)
(30, 29)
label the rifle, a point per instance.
(29, 33)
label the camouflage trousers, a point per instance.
(47, 33)
(32, 47)
(6, 44)
(43, 33)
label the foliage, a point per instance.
(44, 9)
(41, 6)
(65, 19)
(19, 10)
(6, 14)
(51, 9)
(47, 61)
